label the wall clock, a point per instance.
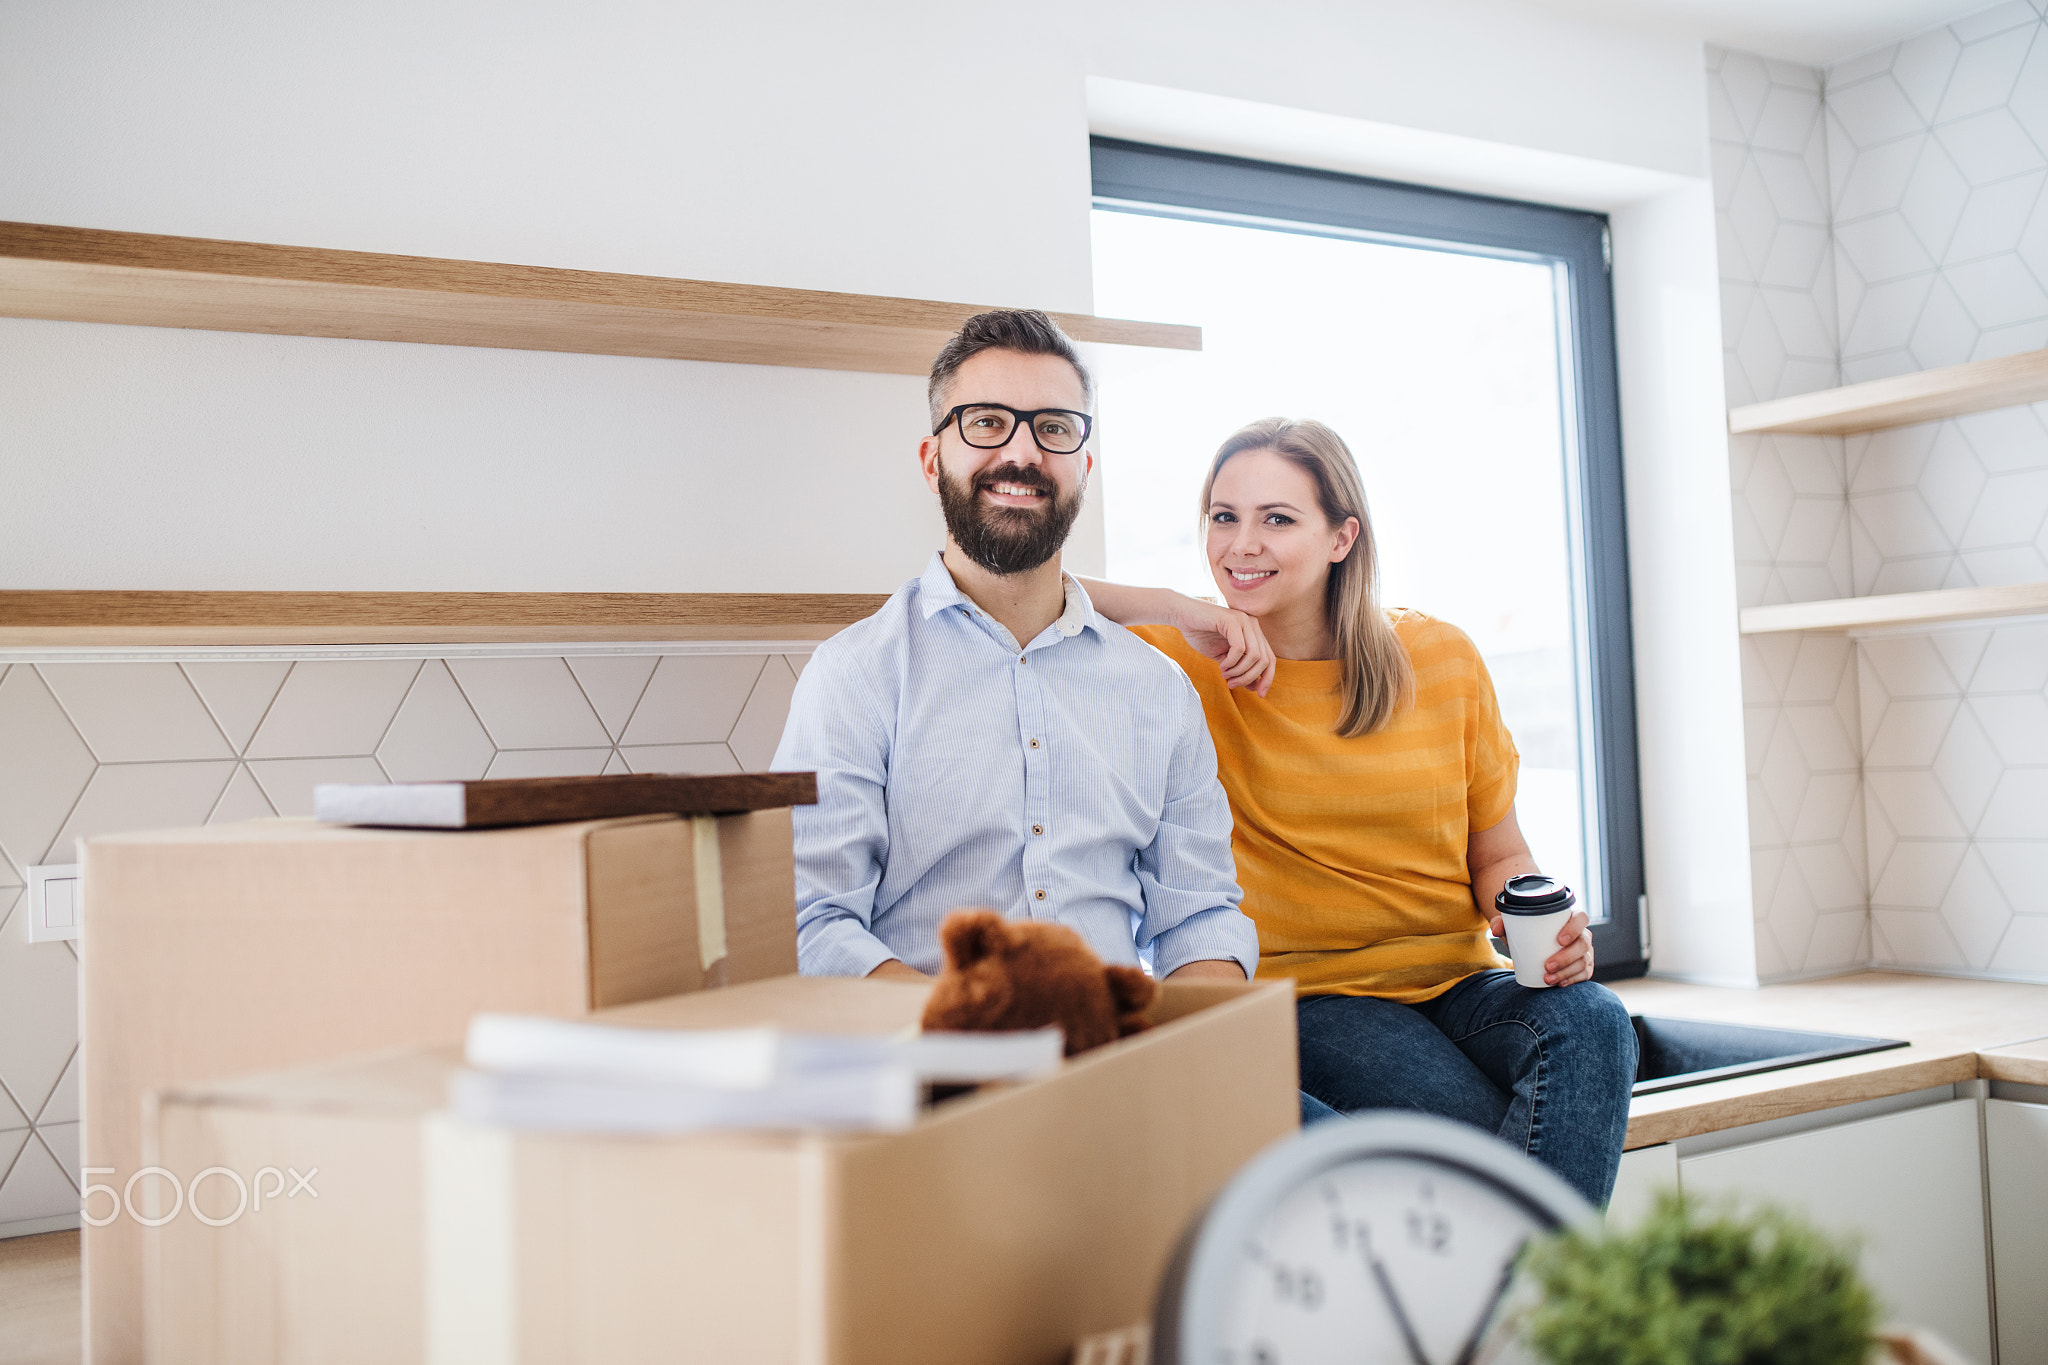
(1386, 1238)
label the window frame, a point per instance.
(1133, 177)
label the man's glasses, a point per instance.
(1058, 431)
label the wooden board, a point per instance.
(1898, 609)
(492, 803)
(1924, 396)
(83, 275)
(30, 620)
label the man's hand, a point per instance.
(896, 969)
(1574, 962)
(1208, 969)
(1232, 638)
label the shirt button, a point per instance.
(1038, 829)
(1039, 894)
(1034, 744)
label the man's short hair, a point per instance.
(1025, 330)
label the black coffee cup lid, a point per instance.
(1534, 894)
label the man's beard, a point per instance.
(1007, 540)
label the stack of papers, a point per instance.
(552, 1074)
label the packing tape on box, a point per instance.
(710, 889)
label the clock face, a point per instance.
(1385, 1238)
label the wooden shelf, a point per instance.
(83, 275)
(1902, 400)
(35, 620)
(1898, 609)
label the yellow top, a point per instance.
(1351, 852)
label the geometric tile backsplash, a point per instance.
(1882, 216)
(106, 747)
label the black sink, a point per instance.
(1679, 1052)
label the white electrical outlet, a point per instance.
(53, 902)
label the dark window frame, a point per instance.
(1139, 178)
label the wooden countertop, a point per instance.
(1958, 1030)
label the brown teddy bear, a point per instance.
(1022, 974)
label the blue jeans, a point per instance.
(1546, 1071)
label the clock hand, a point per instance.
(1386, 1284)
(1471, 1346)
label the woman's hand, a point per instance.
(1232, 638)
(1573, 961)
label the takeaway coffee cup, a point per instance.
(1533, 910)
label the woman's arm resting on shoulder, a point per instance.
(1494, 855)
(1231, 638)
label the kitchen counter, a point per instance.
(1958, 1030)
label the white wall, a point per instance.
(807, 145)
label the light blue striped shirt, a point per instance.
(1072, 780)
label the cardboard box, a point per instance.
(999, 1229)
(210, 953)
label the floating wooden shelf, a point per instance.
(82, 275)
(35, 620)
(1898, 609)
(1902, 400)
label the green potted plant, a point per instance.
(1700, 1285)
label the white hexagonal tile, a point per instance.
(289, 782)
(1793, 192)
(1990, 146)
(1839, 940)
(796, 662)
(62, 1105)
(1759, 723)
(617, 763)
(435, 737)
(1975, 911)
(1862, 66)
(2018, 808)
(530, 703)
(2017, 726)
(1784, 778)
(1725, 164)
(1933, 200)
(1810, 532)
(1777, 655)
(237, 694)
(1791, 915)
(13, 1123)
(1825, 810)
(1950, 482)
(135, 712)
(2020, 868)
(1874, 111)
(2024, 949)
(679, 758)
(1967, 767)
(38, 1015)
(1771, 964)
(2009, 564)
(1884, 319)
(2011, 511)
(1761, 352)
(1998, 290)
(243, 799)
(1913, 806)
(1916, 938)
(1789, 117)
(1918, 873)
(1820, 664)
(1882, 247)
(549, 762)
(1894, 458)
(1750, 545)
(613, 683)
(1875, 177)
(333, 708)
(1797, 320)
(125, 797)
(1823, 743)
(2016, 660)
(2005, 439)
(1746, 84)
(62, 1141)
(693, 699)
(1959, 651)
(1831, 878)
(1899, 524)
(1795, 260)
(1945, 333)
(1996, 19)
(1923, 573)
(1752, 217)
(1922, 68)
(1995, 217)
(1984, 74)
(758, 731)
(1911, 732)
(44, 766)
(1994, 342)
(37, 1187)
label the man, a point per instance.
(986, 738)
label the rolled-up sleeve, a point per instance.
(842, 842)
(1187, 873)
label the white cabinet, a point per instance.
(2016, 1142)
(1908, 1184)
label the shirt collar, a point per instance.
(937, 591)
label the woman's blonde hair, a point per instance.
(1378, 678)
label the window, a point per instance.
(1464, 348)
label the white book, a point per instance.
(748, 1059)
(872, 1098)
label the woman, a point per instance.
(1373, 786)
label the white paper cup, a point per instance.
(1531, 941)
(1533, 909)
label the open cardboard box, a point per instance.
(211, 953)
(1000, 1229)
